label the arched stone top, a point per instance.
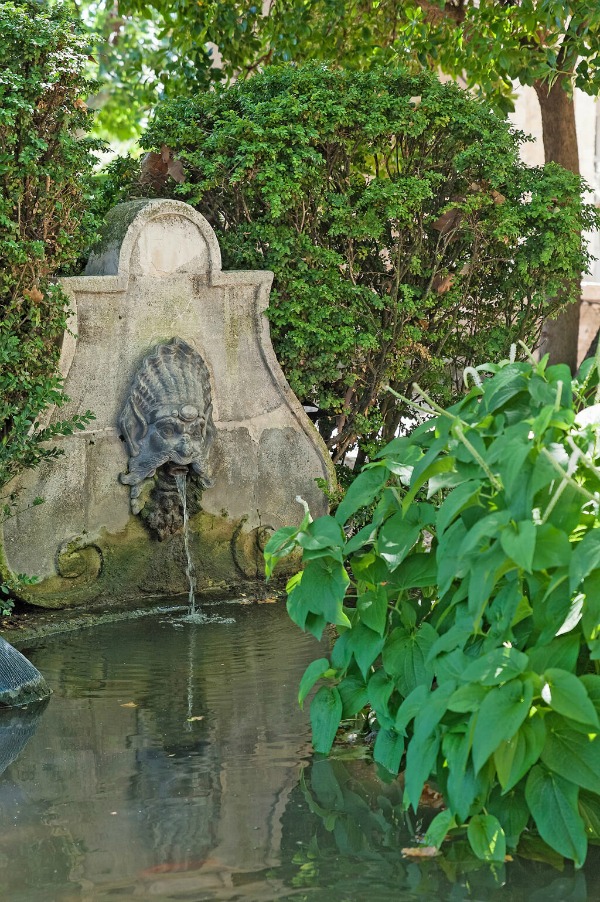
(155, 238)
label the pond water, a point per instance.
(172, 762)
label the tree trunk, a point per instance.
(560, 336)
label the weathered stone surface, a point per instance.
(157, 277)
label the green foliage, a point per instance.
(46, 164)
(361, 839)
(467, 609)
(406, 238)
(489, 44)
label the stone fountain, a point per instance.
(174, 358)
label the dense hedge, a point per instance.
(406, 237)
(45, 165)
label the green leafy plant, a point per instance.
(468, 608)
(45, 165)
(406, 237)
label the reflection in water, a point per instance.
(168, 765)
(17, 726)
(351, 851)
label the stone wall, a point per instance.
(156, 277)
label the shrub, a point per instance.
(406, 237)
(45, 165)
(468, 609)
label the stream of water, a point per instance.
(193, 614)
(173, 763)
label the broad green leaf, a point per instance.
(591, 684)
(450, 667)
(373, 608)
(420, 477)
(366, 646)
(507, 608)
(502, 712)
(585, 558)
(279, 545)
(379, 691)
(463, 496)
(590, 620)
(566, 515)
(562, 652)
(467, 698)
(455, 637)
(497, 666)
(396, 537)
(353, 693)
(399, 448)
(325, 532)
(462, 786)
(325, 716)
(589, 809)
(512, 812)
(503, 387)
(369, 569)
(488, 567)
(514, 757)
(341, 653)
(551, 611)
(321, 591)
(484, 529)
(486, 837)
(314, 624)
(364, 536)
(410, 707)
(573, 616)
(572, 754)
(518, 543)
(416, 571)
(388, 750)
(439, 828)
(552, 548)
(405, 657)
(449, 567)
(553, 802)
(433, 710)
(566, 694)
(362, 491)
(508, 454)
(314, 672)
(421, 757)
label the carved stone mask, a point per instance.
(167, 418)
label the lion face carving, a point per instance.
(167, 418)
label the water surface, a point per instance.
(172, 762)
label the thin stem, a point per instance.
(477, 456)
(567, 477)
